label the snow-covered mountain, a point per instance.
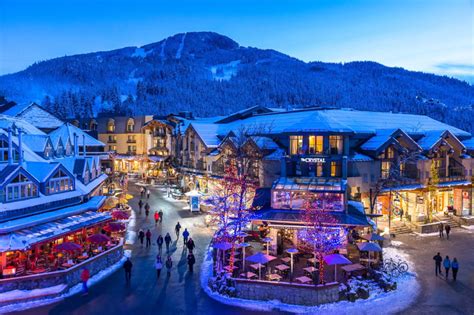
(211, 74)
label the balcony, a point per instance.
(452, 174)
(112, 141)
(159, 134)
(131, 141)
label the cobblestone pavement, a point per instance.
(437, 295)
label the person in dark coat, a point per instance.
(190, 245)
(168, 241)
(140, 205)
(448, 230)
(191, 261)
(161, 215)
(142, 192)
(447, 265)
(438, 259)
(185, 236)
(441, 230)
(158, 266)
(176, 229)
(169, 265)
(141, 236)
(159, 242)
(147, 209)
(455, 268)
(148, 238)
(127, 266)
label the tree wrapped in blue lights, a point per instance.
(321, 234)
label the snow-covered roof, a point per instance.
(28, 154)
(208, 132)
(17, 109)
(277, 155)
(10, 122)
(379, 139)
(37, 143)
(265, 143)
(359, 157)
(67, 131)
(469, 144)
(35, 115)
(430, 138)
(40, 170)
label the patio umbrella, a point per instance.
(124, 195)
(110, 203)
(373, 237)
(267, 240)
(292, 251)
(98, 238)
(260, 258)
(243, 246)
(68, 247)
(114, 227)
(222, 246)
(120, 215)
(336, 259)
(369, 247)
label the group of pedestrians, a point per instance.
(442, 228)
(447, 264)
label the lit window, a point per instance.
(296, 144)
(21, 187)
(390, 153)
(315, 144)
(335, 169)
(111, 126)
(336, 144)
(4, 152)
(385, 169)
(130, 125)
(59, 182)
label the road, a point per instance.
(439, 296)
(181, 293)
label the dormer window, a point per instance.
(60, 150)
(21, 187)
(130, 125)
(111, 125)
(59, 182)
(4, 152)
(48, 151)
(68, 149)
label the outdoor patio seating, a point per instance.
(286, 260)
(282, 267)
(248, 275)
(303, 280)
(274, 277)
(310, 270)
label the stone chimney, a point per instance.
(10, 147)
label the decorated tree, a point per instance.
(230, 205)
(321, 234)
(432, 190)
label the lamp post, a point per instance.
(291, 251)
(267, 240)
(243, 246)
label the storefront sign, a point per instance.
(313, 160)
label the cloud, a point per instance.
(459, 70)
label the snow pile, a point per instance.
(379, 302)
(28, 294)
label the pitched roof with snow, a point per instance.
(35, 115)
(37, 143)
(469, 144)
(14, 122)
(67, 131)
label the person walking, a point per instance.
(157, 217)
(191, 261)
(447, 228)
(147, 210)
(142, 192)
(447, 265)
(148, 238)
(85, 275)
(185, 236)
(441, 230)
(148, 194)
(176, 229)
(169, 265)
(141, 236)
(140, 205)
(159, 242)
(455, 268)
(168, 241)
(158, 267)
(190, 245)
(161, 215)
(127, 266)
(438, 259)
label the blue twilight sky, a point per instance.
(427, 35)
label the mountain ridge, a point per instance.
(211, 74)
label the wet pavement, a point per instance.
(181, 293)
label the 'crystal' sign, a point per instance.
(313, 160)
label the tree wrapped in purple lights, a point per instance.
(321, 234)
(230, 205)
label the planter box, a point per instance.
(426, 228)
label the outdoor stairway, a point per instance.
(400, 229)
(447, 219)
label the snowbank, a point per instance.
(378, 303)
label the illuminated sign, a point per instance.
(313, 160)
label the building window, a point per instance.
(132, 149)
(21, 187)
(131, 138)
(111, 126)
(130, 125)
(112, 148)
(336, 144)
(319, 169)
(390, 153)
(59, 182)
(4, 152)
(335, 169)
(315, 144)
(296, 145)
(113, 139)
(93, 125)
(48, 151)
(385, 169)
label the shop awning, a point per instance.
(297, 217)
(25, 238)
(455, 183)
(404, 188)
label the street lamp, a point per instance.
(243, 246)
(267, 240)
(291, 251)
